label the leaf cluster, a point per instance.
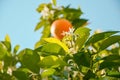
(79, 56)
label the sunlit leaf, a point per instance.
(39, 25)
(100, 36)
(52, 48)
(7, 45)
(54, 2)
(3, 51)
(16, 48)
(38, 44)
(46, 32)
(41, 7)
(47, 72)
(7, 38)
(54, 40)
(83, 34)
(51, 62)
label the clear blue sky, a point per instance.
(18, 18)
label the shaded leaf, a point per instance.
(71, 13)
(6, 76)
(89, 75)
(29, 59)
(109, 41)
(111, 58)
(114, 74)
(22, 74)
(79, 23)
(109, 64)
(115, 51)
(82, 59)
(5, 55)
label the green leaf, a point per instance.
(111, 58)
(79, 23)
(82, 58)
(5, 55)
(106, 78)
(7, 45)
(29, 59)
(7, 38)
(22, 74)
(115, 51)
(114, 74)
(6, 76)
(83, 34)
(16, 48)
(52, 48)
(41, 7)
(47, 72)
(38, 44)
(54, 2)
(51, 62)
(39, 25)
(109, 64)
(3, 51)
(89, 75)
(45, 34)
(71, 13)
(109, 41)
(56, 41)
(100, 36)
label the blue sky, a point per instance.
(18, 18)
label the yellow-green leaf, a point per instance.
(47, 72)
(54, 40)
(54, 2)
(7, 38)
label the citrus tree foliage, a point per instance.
(78, 56)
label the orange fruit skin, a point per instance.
(59, 26)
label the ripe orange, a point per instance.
(59, 26)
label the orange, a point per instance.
(60, 26)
